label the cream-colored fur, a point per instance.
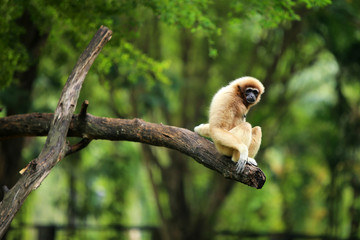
(227, 127)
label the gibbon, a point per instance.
(227, 127)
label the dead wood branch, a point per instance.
(55, 146)
(137, 130)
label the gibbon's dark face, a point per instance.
(251, 94)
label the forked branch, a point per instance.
(55, 146)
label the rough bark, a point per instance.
(137, 130)
(55, 146)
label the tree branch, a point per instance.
(136, 130)
(55, 147)
(77, 147)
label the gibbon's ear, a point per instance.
(240, 92)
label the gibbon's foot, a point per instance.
(243, 159)
(240, 166)
(252, 161)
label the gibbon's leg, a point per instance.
(243, 132)
(255, 141)
(227, 144)
(203, 130)
(230, 145)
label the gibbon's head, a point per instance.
(249, 89)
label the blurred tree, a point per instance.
(341, 36)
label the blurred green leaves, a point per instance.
(125, 61)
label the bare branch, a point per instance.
(137, 130)
(77, 147)
(54, 149)
(83, 110)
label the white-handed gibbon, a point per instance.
(227, 126)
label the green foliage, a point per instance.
(13, 55)
(128, 62)
(189, 14)
(272, 13)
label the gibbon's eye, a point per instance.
(255, 91)
(248, 90)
